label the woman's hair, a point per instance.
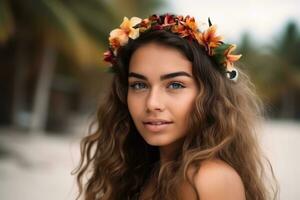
(117, 161)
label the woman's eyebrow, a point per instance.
(162, 77)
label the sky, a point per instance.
(264, 19)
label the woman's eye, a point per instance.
(137, 86)
(176, 85)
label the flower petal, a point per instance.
(229, 66)
(108, 56)
(134, 21)
(233, 58)
(125, 24)
(230, 57)
(118, 38)
(190, 22)
(134, 33)
(116, 32)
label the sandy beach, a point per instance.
(38, 166)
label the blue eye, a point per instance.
(137, 86)
(175, 85)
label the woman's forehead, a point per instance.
(158, 59)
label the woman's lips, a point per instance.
(155, 127)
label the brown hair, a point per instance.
(222, 125)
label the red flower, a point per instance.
(169, 20)
(157, 27)
(108, 56)
(145, 25)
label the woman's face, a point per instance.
(161, 93)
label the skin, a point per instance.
(216, 180)
(150, 96)
(169, 98)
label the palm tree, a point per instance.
(75, 29)
(275, 70)
(288, 52)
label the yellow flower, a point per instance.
(230, 59)
(119, 36)
(127, 26)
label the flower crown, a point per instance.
(185, 27)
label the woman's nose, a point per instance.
(154, 101)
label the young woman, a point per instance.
(179, 120)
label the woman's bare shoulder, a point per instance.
(217, 180)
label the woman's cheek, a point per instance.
(135, 105)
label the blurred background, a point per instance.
(52, 79)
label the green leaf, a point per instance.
(219, 53)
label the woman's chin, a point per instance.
(161, 140)
(157, 141)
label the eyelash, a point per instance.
(136, 83)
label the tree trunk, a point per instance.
(42, 94)
(19, 83)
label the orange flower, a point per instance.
(190, 22)
(180, 29)
(209, 39)
(230, 59)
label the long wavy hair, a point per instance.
(116, 161)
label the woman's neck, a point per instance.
(168, 152)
